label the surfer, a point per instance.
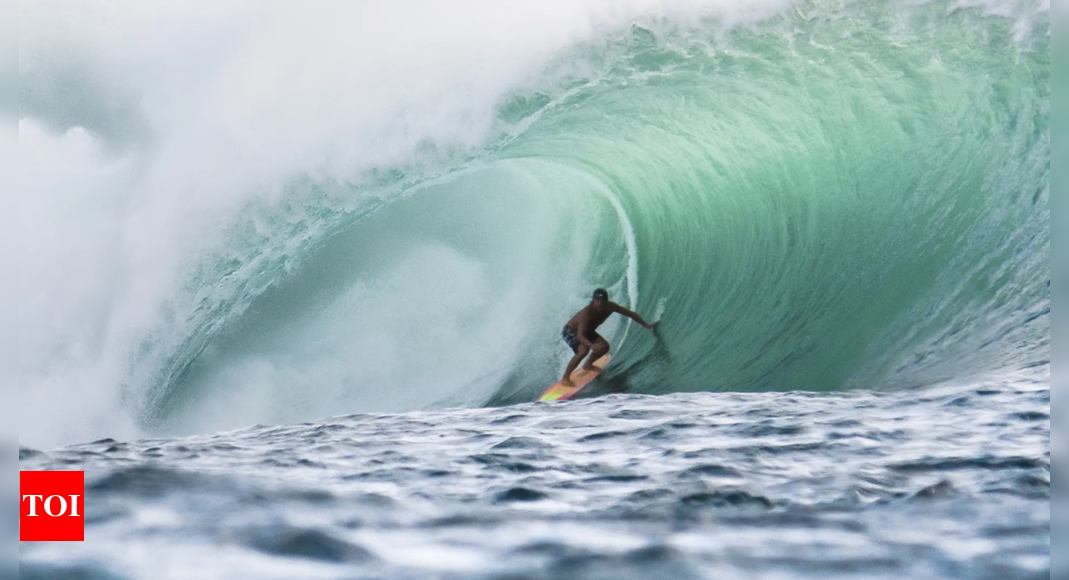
(580, 333)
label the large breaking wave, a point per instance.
(835, 195)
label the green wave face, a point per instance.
(839, 198)
(846, 195)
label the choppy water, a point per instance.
(940, 482)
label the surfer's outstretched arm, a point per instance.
(634, 316)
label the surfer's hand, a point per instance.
(653, 325)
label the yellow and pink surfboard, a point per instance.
(580, 379)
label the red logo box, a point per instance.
(52, 506)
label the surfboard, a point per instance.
(580, 379)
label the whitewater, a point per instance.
(309, 265)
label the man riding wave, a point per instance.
(580, 333)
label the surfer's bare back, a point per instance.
(580, 333)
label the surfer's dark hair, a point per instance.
(601, 294)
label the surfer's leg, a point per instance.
(580, 352)
(598, 349)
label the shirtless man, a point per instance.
(580, 333)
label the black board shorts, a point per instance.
(572, 339)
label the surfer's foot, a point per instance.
(566, 383)
(591, 368)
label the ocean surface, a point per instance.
(291, 275)
(935, 482)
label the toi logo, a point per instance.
(52, 506)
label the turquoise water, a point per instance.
(846, 195)
(840, 198)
